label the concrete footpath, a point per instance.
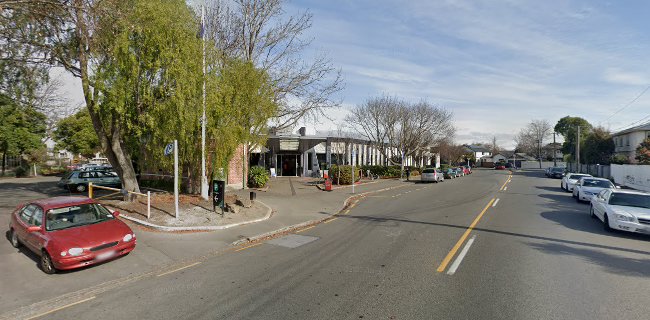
(294, 202)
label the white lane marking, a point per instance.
(495, 203)
(459, 259)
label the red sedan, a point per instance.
(70, 232)
(500, 167)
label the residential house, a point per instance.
(628, 140)
(479, 152)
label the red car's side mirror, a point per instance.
(33, 229)
(116, 214)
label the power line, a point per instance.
(630, 103)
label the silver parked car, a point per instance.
(625, 210)
(78, 180)
(431, 175)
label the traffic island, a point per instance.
(195, 214)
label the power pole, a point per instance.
(204, 178)
(578, 151)
(554, 151)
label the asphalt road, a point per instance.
(533, 254)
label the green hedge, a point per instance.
(343, 174)
(257, 177)
(383, 171)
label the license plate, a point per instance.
(105, 255)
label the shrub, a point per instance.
(257, 177)
(343, 174)
(415, 172)
(22, 172)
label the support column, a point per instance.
(328, 153)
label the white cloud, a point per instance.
(618, 76)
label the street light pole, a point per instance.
(554, 152)
(204, 178)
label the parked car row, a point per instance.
(617, 209)
(439, 175)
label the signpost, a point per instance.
(354, 160)
(169, 149)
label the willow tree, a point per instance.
(138, 62)
(242, 102)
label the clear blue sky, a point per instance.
(496, 64)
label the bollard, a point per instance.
(90, 190)
(253, 195)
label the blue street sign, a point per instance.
(169, 149)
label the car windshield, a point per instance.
(630, 200)
(67, 175)
(590, 183)
(75, 216)
(557, 170)
(577, 176)
(429, 171)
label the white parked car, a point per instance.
(431, 175)
(570, 179)
(625, 210)
(588, 187)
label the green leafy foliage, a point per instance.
(257, 177)
(22, 129)
(568, 128)
(383, 171)
(343, 174)
(643, 152)
(77, 135)
(598, 147)
(619, 159)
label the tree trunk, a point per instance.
(4, 162)
(111, 142)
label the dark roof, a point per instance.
(476, 148)
(641, 127)
(59, 202)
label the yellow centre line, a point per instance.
(179, 269)
(60, 308)
(504, 184)
(453, 251)
(330, 220)
(305, 229)
(252, 245)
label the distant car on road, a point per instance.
(587, 187)
(500, 166)
(70, 232)
(459, 172)
(469, 169)
(78, 180)
(570, 179)
(431, 175)
(625, 210)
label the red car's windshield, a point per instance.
(74, 216)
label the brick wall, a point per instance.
(235, 173)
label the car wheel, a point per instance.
(606, 224)
(578, 198)
(46, 263)
(80, 188)
(14, 238)
(591, 212)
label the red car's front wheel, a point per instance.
(46, 263)
(14, 238)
